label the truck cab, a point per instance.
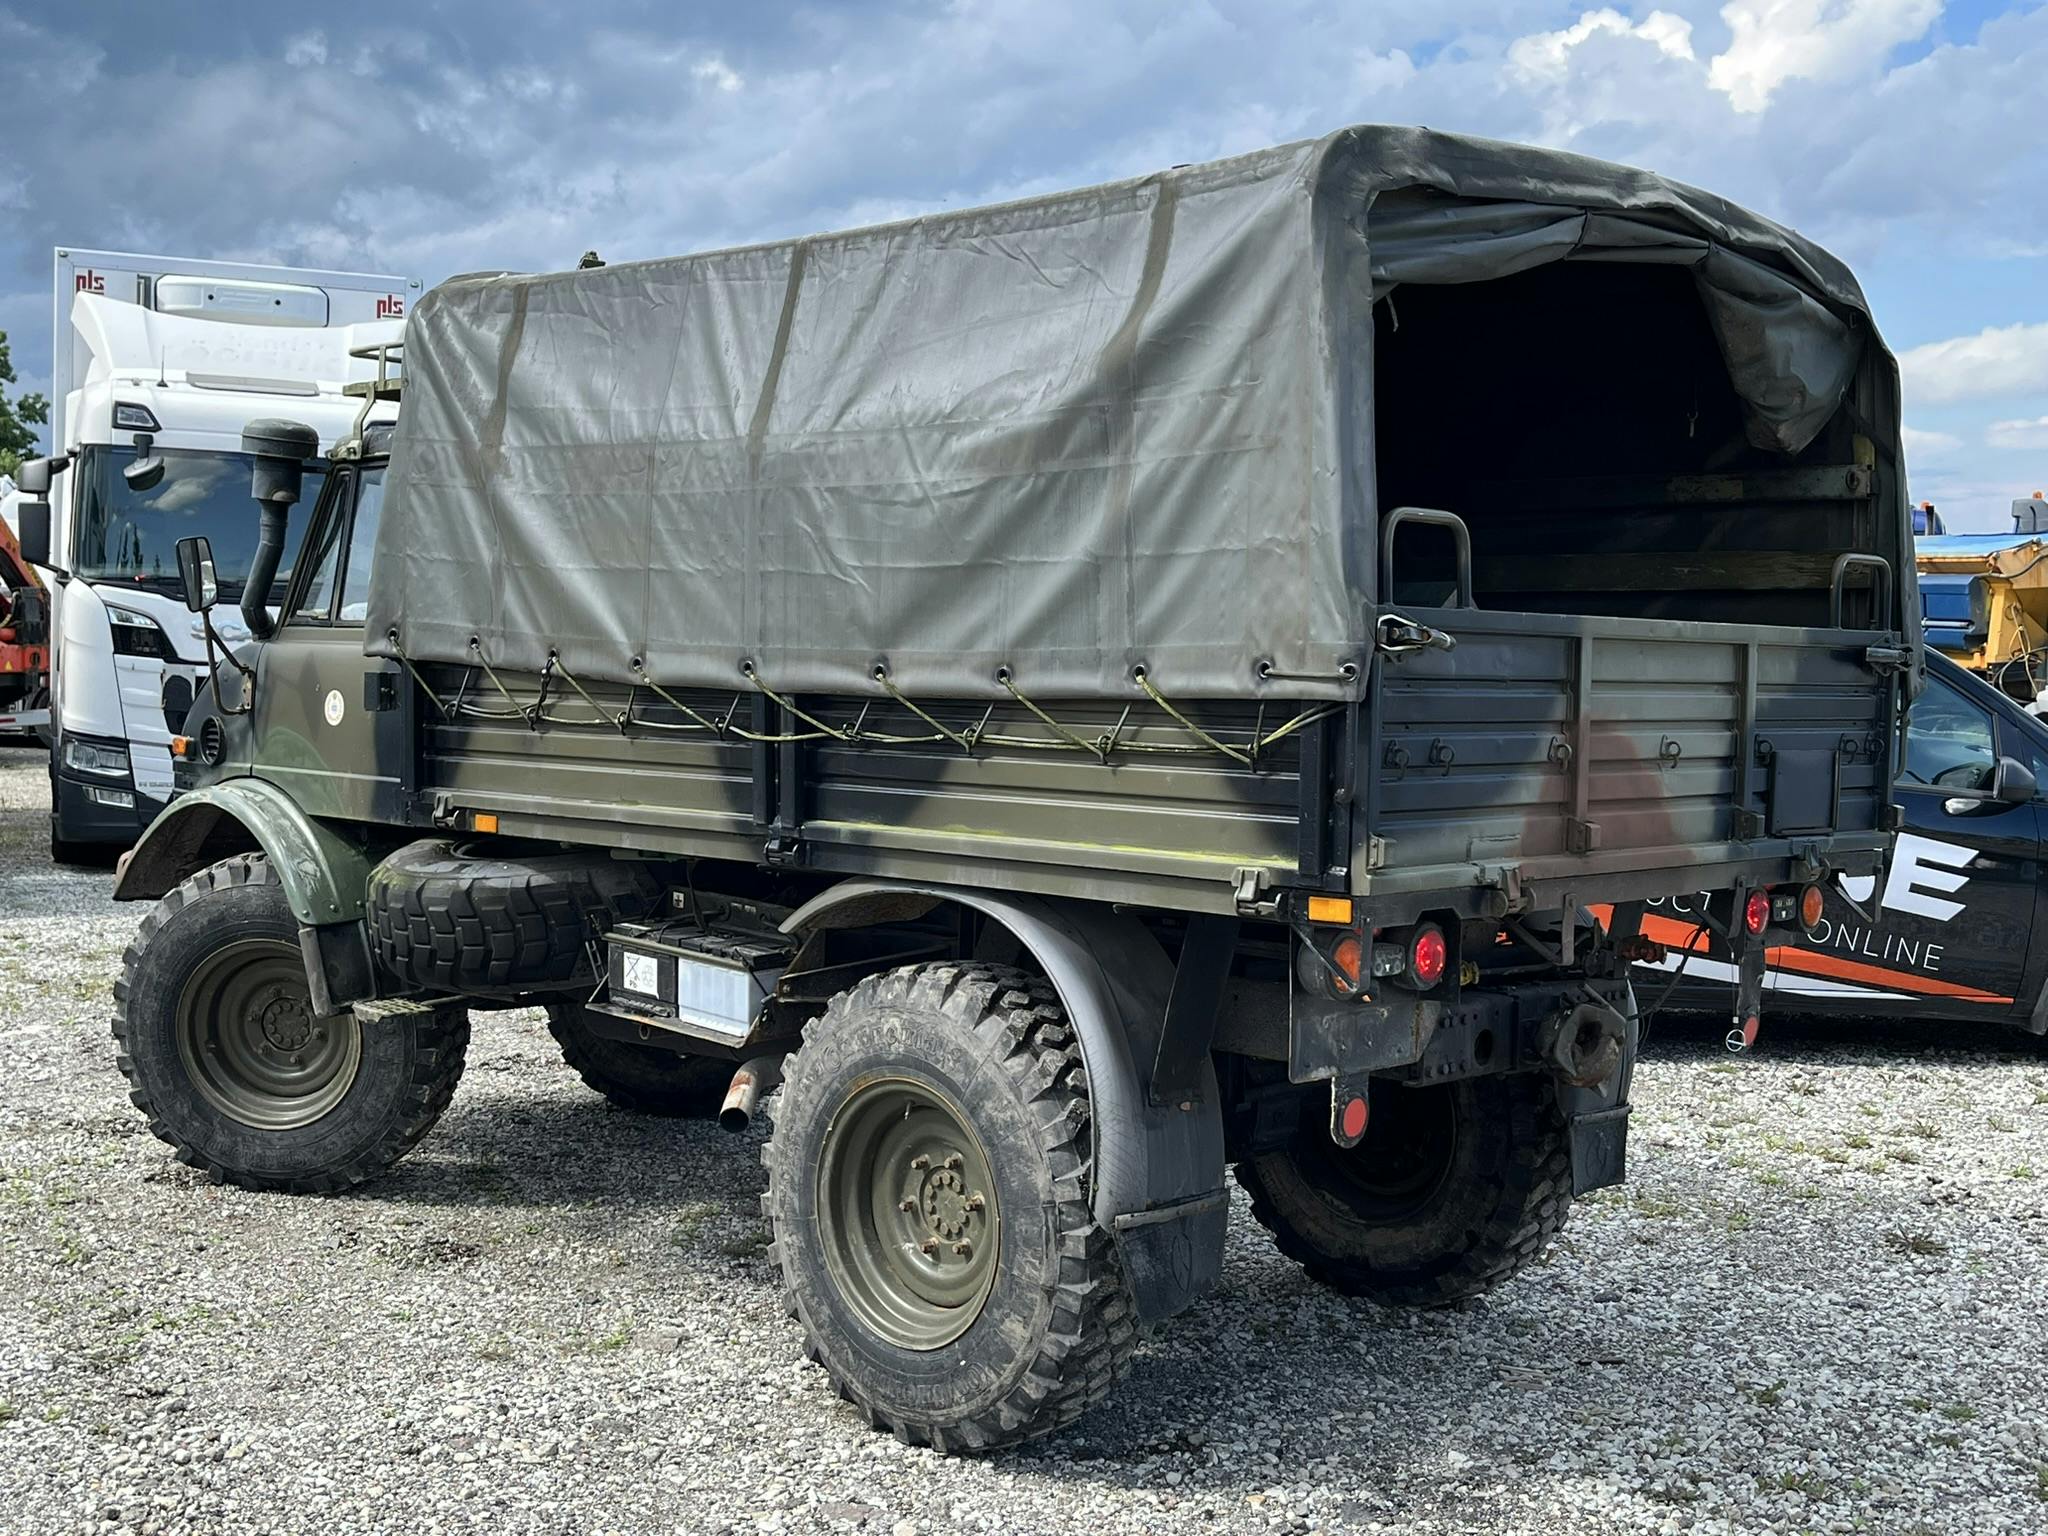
(159, 364)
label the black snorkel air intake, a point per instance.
(280, 449)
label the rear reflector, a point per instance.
(1330, 909)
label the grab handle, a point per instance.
(1390, 524)
(1838, 587)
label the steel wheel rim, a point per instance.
(908, 1219)
(251, 1043)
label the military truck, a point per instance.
(1082, 694)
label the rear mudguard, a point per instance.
(1158, 1170)
(324, 874)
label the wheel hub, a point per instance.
(286, 1023)
(945, 1205)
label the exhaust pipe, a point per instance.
(762, 1075)
(279, 450)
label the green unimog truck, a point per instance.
(1081, 694)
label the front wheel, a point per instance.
(928, 1198)
(1454, 1189)
(225, 1055)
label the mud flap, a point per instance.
(1599, 1148)
(1172, 1253)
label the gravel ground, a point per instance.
(1818, 1306)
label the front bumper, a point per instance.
(89, 808)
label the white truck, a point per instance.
(157, 364)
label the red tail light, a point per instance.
(1427, 953)
(1756, 912)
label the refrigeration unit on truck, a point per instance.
(1085, 693)
(156, 364)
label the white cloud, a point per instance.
(1378, 73)
(1547, 56)
(1930, 445)
(1772, 41)
(717, 74)
(2027, 434)
(2000, 360)
(307, 50)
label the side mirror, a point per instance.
(195, 570)
(2012, 782)
(34, 477)
(147, 469)
(34, 536)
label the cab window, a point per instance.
(362, 545)
(341, 543)
(1949, 743)
(321, 557)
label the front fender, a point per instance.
(323, 873)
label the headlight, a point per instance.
(137, 634)
(91, 757)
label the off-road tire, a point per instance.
(450, 918)
(643, 1078)
(1504, 1194)
(1056, 1329)
(410, 1058)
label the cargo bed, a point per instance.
(1546, 755)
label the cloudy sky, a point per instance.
(1910, 136)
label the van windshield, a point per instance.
(125, 535)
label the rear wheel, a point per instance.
(928, 1197)
(1454, 1189)
(643, 1078)
(225, 1055)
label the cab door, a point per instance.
(329, 720)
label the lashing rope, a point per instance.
(1101, 748)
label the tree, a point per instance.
(18, 418)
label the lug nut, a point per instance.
(930, 1245)
(952, 1160)
(976, 1202)
(964, 1250)
(906, 1205)
(920, 1161)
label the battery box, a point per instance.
(675, 973)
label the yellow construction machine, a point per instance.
(1985, 596)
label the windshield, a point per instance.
(128, 535)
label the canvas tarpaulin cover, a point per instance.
(1119, 427)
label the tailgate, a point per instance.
(1572, 746)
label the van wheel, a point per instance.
(927, 1194)
(646, 1079)
(1454, 1189)
(217, 1037)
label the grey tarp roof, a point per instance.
(1065, 436)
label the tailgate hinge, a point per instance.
(1886, 659)
(1581, 836)
(1505, 882)
(1248, 884)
